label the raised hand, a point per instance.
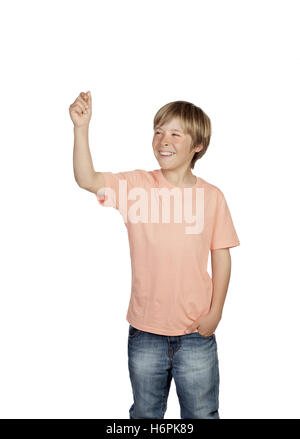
(81, 110)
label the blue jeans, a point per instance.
(191, 359)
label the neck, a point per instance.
(180, 176)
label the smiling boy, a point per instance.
(175, 306)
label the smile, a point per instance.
(166, 154)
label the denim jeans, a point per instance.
(191, 359)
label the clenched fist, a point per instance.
(81, 110)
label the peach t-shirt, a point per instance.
(171, 286)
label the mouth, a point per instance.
(166, 155)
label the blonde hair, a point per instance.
(194, 122)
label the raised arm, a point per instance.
(84, 173)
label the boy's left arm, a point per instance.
(221, 270)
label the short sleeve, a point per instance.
(116, 186)
(224, 234)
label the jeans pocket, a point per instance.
(203, 336)
(133, 332)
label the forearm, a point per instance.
(221, 270)
(82, 160)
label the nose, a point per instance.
(164, 139)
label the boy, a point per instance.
(175, 306)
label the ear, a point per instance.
(198, 148)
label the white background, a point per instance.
(65, 269)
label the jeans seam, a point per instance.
(216, 392)
(164, 402)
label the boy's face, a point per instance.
(171, 138)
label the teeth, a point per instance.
(166, 153)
